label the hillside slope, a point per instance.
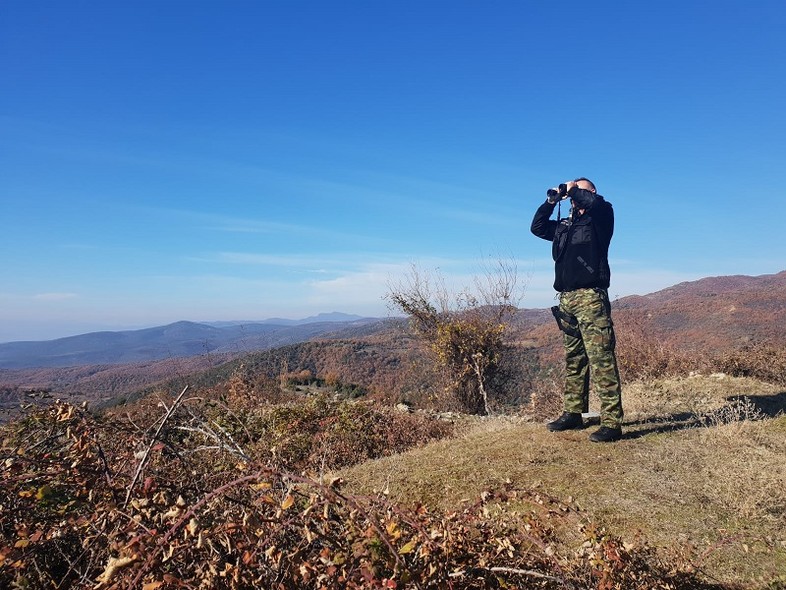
(714, 313)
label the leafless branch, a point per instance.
(146, 456)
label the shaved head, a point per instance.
(586, 184)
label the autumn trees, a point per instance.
(463, 329)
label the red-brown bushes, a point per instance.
(75, 515)
(762, 361)
(641, 355)
(318, 434)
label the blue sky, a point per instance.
(233, 160)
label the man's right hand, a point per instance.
(553, 196)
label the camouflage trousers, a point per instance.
(591, 356)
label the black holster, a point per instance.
(566, 322)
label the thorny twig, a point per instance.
(221, 445)
(141, 465)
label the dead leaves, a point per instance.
(211, 524)
(288, 502)
(114, 565)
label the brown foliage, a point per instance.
(227, 521)
(223, 523)
(762, 361)
(546, 395)
(215, 523)
(643, 355)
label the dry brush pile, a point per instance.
(106, 502)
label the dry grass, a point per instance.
(701, 471)
(695, 395)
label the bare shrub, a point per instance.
(319, 434)
(464, 331)
(739, 410)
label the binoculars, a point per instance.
(561, 191)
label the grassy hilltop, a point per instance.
(704, 481)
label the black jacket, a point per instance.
(580, 248)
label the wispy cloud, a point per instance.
(250, 225)
(253, 258)
(433, 198)
(363, 290)
(328, 262)
(54, 296)
(228, 223)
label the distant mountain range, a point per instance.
(333, 316)
(708, 316)
(177, 340)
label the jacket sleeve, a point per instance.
(542, 226)
(603, 219)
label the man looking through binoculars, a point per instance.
(580, 246)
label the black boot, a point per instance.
(568, 421)
(606, 434)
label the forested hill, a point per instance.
(177, 340)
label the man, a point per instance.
(580, 247)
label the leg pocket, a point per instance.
(608, 339)
(599, 333)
